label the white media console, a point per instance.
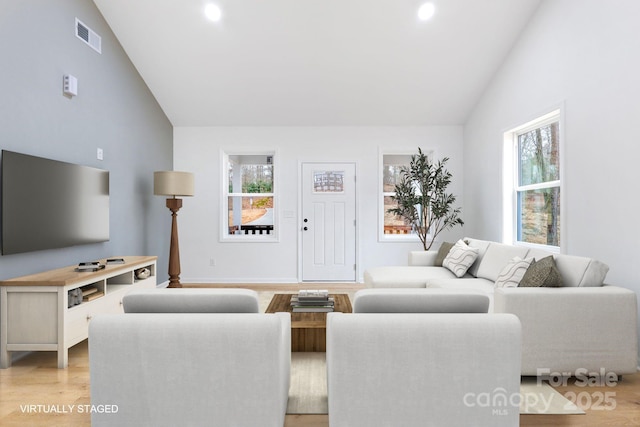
(36, 311)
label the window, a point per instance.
(536, 182)
(392, 227)
(248, 197)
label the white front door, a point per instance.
(328, 222)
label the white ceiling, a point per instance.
(317, 62)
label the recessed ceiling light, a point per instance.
(213, 12)
(426, 11)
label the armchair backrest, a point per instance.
(422, 370)
(420, 300)
(191, 300)
(190, 369)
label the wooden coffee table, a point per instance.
(308, 330)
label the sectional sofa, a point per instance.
(582, 326)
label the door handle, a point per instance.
(305, 228)
(305, 220)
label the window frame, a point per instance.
(225, 194)
(511, 181)
(382, 236)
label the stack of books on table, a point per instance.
(312, 301)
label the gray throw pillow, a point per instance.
(445, 247)
(542, 273)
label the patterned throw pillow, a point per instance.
(445, 247)
(542, 273)
(460, 258)
(513, 272)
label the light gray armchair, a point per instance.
(420, 370)
(190, 369)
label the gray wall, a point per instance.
(114, 110)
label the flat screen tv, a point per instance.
(49, 204)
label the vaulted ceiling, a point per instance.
(317, 62)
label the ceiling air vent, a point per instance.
(88, 36)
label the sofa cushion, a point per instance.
(460, 258)
(575, 270)
(542, 273)
(538, 254)
(496, 257)
(581, 271)
(403, 276)
(444, 250)
(482, 246)
(513, 272)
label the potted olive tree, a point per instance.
(422, 200)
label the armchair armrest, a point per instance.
(422, 258)
(564, 329)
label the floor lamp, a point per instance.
(173, 183)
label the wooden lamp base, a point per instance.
(174, 206)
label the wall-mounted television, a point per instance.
(49, 204)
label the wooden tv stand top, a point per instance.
(69, 276)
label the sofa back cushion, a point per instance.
(482, 246)
(576, 271)
(496, 258)
(581, 271)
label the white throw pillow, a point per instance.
(460, 258)
(513, 272)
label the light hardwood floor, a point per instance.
(35, 380)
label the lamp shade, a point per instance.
(173, 183)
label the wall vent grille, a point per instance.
(88, 36)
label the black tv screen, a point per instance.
(49, 204)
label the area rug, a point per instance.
(541, 398)
(308, 392)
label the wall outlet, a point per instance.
(212, 262)
(100, 154)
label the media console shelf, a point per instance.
(37, 312)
